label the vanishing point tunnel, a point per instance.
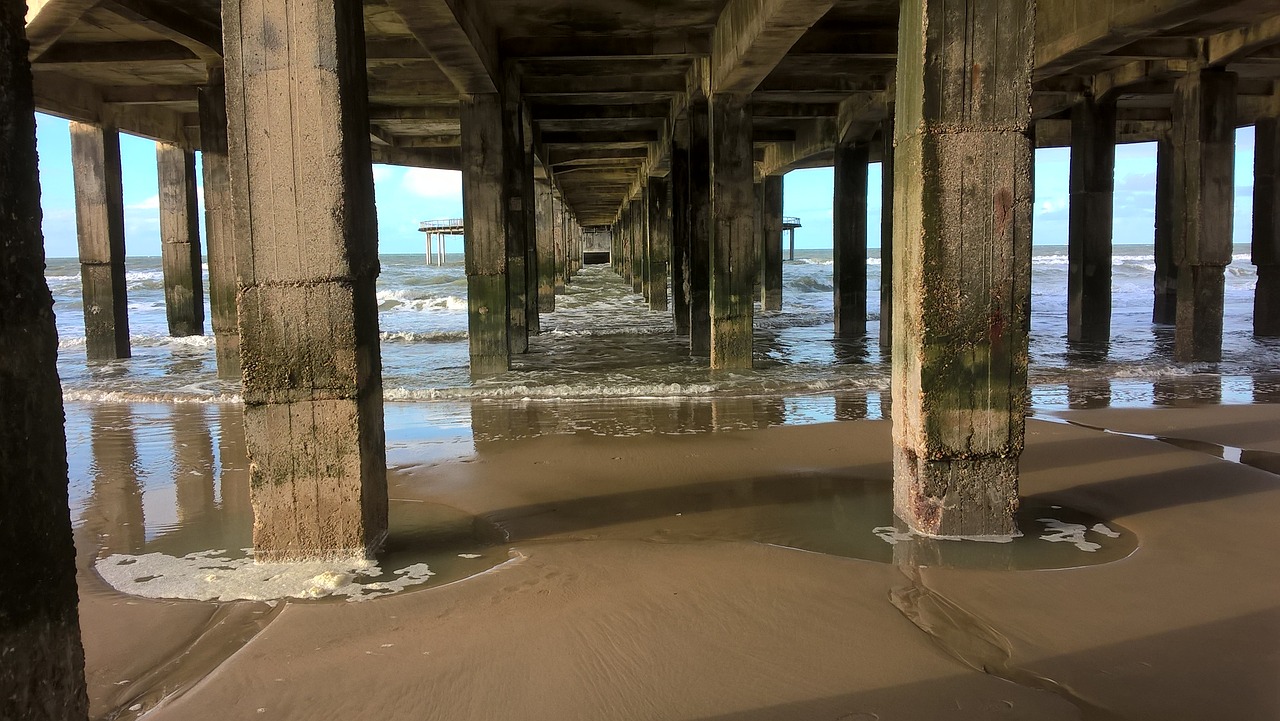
(666, 125)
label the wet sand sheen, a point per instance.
(618, 608)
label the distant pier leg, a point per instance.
(546, 249)
(559, 233)
(699, 226)
(771, 258)
(1266, 228)
(42, 674)
(513, 171)
(485, 234)
(1204, 108)
(639, 242)
(95, 160)
(180, 240)
(1165, 308)
(733, 252)
(659, 241)
(886, 233)
(849, 247)
(219, 224)
(960, 350)
(532, 279)
(307, 236)
(1093, 165)
(680, 228)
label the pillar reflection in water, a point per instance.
(114, 513)
(193, 464)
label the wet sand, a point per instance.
(646, 580)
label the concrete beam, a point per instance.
(752, 36)
(133, 53)
(60, 95)
(167, 20)
(583, 46)
(47, 20)
(459, 36)
(1233, 45)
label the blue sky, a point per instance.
(408, 195)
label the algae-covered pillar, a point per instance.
(849, 246)
(1165, 304)
(1093, 172)
(1204, 137)
(546, 244)
(559, 232)
(95, 161)
(513, 191)
(639, 244)
(659, 195)
(699, 226)
(307, 260)
(962, 262)
(42, 672)
(680, 214)
(219, 224)
(886, 233)
(485, 230)
(733, 214)
(1266, 227)
(771, 227)
(180, 240)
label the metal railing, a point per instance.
(440, 226)
(791, 222)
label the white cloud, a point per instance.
(432, 183)
(152, 203)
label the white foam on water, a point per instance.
(891, 535)
(1101, 528)
(443, 336)
(211, 576)
(91, 395)
(1073, 533)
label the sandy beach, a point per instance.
(667, 577)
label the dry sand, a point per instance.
(614, 607)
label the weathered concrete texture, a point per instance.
(546, 249)
(533, 301)
(886, 234)
(513, 172)
(699, 227)
(1204, 111)
(219, 224)
(1165, 308)
(733, 251)
(639, 243)
(849, 245)
(180, 240)
(42, 672)
(1266, 227)
(485, 232)
(680, 215)
(962, 263)
(659, 195)
(771, 260)
(306, 235)
(95, 160)
(559, 232)
(1093, 169)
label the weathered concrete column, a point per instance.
(485, 228)
(559, 233)
(659, 194)
(546, 243)
(219, 224)
(1266, 227)
(849, 245)
(757, 192)
(886, 232)
(95, 160)
(640, 244)
(680, 214)
(529, 201)
(1165, 309)
(733, 252)
(962, 270)
(180, 240)
(307, 259)
(771, 260)
(513, 172)
(1093, 172)
(699, 227)
(1204, 136)
(42, 674)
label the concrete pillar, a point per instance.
(757, 208)
(1266, 227)
(513, 172)
(640, 244)
(659, 241)
(680, 214)
(219, 224)
(307, 259)
(771, 260)
(42, 674)
(1093, 172)
(1204, 133)
(886, 233)
(699, 227)
(529, 202)
(95, 161)
(733, 256)
(962, 276)
(849, 245)
(559, 233)
(1165, 308)
(485, 231)
(546, 243)
(180, 240)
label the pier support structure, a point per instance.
(546, 244)
(486, 247)
(640, 244)
(95, 161)
(42, 675)
(306, 232)
(733, 250)
(886, 233)
(849, 245)
(559, 234)
(1165, 308)
(180, 240)
(513, 192)
(219, 224)
(680, 214)
(1093, 168)
(659, 195)
(699, 226)
(1204, 134)
(771, 257)
(962, 280)
(1266, 227)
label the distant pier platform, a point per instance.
(437, 230)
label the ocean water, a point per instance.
(602, 344)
